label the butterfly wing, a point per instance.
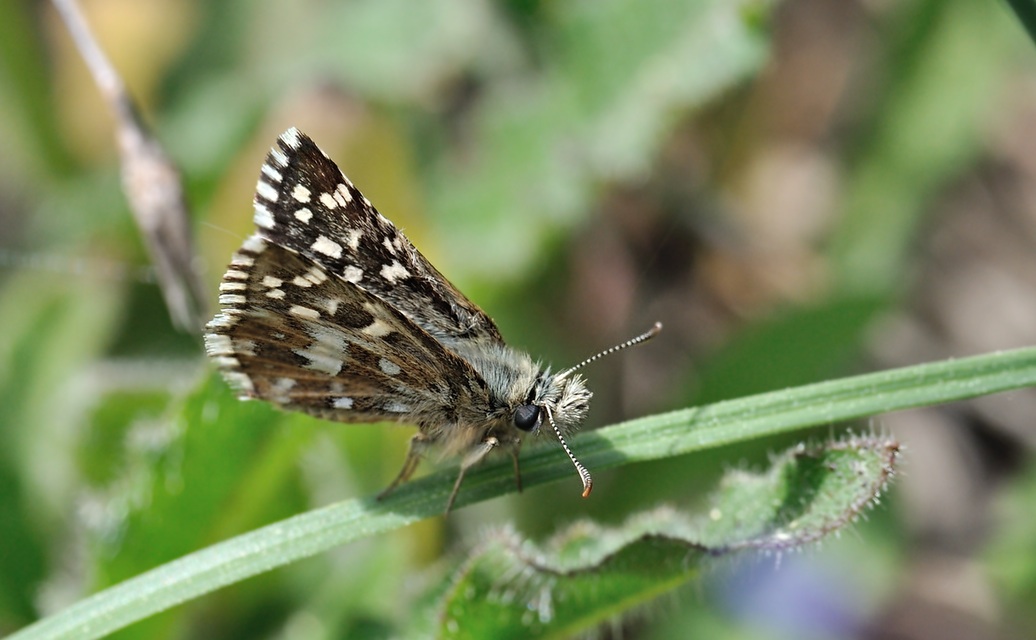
(305, 203)
(291, 333)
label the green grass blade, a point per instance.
(650, 438)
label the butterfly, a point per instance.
(328, 309)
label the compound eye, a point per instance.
(527, 417)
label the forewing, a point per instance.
(305, 203)
(291, 333)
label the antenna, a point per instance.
(584, 475)
(647, 335)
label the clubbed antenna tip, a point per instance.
(644, 337)
(584, 475)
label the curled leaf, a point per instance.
(512, 588)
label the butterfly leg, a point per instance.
(477, 453)
(418, 444)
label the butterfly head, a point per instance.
(565, 400)
(562, 400)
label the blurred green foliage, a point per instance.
(508, 139)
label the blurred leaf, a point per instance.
(205, 481)
(27, 93)
(1025, 10)
(1012, 565)
(102, 451)
(184, 487)
(622, 73)
(797, 346)
(391, 50)
(50, 334)
(511, 588)
(923, 136)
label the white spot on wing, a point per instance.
(327, 352)
(254, 243)
(303, 215)
(321, 361)
(218, 344)
(275, 294)
(265, 190)
(388, 367)
(241, 382)
(291, 138)
(279, 158)
(280, 388)
(352, 238)
(327, 247)
(352, 274)
(378, 328)
(342, 403)
(227, 363)
(393, 272)
(263, 218)
(271, 173)
(300, 193)
(304, 312)
(272, 282)
(244, 347)
(315, 275)
(395, 406)
(328, 201)
(342, 195)
(223, 321)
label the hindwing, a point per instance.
(292, 333)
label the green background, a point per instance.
(797, 190)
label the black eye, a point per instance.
(527, 417)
